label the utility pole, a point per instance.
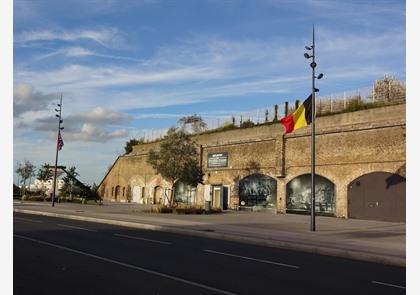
(58, 146)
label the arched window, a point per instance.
(185, 193)
(258, 190)
(298, 195)
(117, 192)
(112, 192)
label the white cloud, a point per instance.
(97, 125)
(207, 67)
(93, 133)
(106, 37)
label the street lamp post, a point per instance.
(313, 109)
(58, 146)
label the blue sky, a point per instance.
(128, 67)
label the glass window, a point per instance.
(298, 194)
(185, 193)
(258, 190)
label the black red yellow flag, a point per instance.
(300, 118)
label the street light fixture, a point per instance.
(313, 107)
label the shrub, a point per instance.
(226, 127)
(247, 124)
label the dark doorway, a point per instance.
(225, 197)
(377, 196)
(117, 192)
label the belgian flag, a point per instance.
(300, 118)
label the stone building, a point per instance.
(360, 168)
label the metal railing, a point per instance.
(379, 94)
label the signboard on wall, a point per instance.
(217, 160)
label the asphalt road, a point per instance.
(60, 256)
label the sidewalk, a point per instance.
(375, 241)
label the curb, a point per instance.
(297, 246)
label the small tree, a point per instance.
(246, 124)
(276, 113)
(25, 170)
(45, 174)
(177, 160)
(132, 142)
(266, 116)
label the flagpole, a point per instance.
(56, 151)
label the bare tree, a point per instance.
(196, 122)
(25, 170)
(389, 89)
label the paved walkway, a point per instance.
(374, 241)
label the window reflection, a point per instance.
(298, 194)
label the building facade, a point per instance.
(360, 168)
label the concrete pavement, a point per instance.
(375, 241)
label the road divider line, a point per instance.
(76, 227)
(387, 284)
(128, 265)
(28, 219)
(250, 258)
(143, 239)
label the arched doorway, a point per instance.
(117, 193)
(185, 193)
(137, 194)
(298, 195)
(377, 196)
(157, 197)
(258, 190)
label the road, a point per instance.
(60, 256)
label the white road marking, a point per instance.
(143, 239)
(389, 285)
(28, 219)
(253, 259)
(76, 227)
(128, 265)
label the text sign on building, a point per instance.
(217, 160)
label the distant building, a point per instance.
(47, 186)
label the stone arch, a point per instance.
(137, 189)
(258, 190)
(185, 193)
(298, 195)
(117, 193)
(137, 180)
(377, 195)
(158, 195)
(163, 185)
